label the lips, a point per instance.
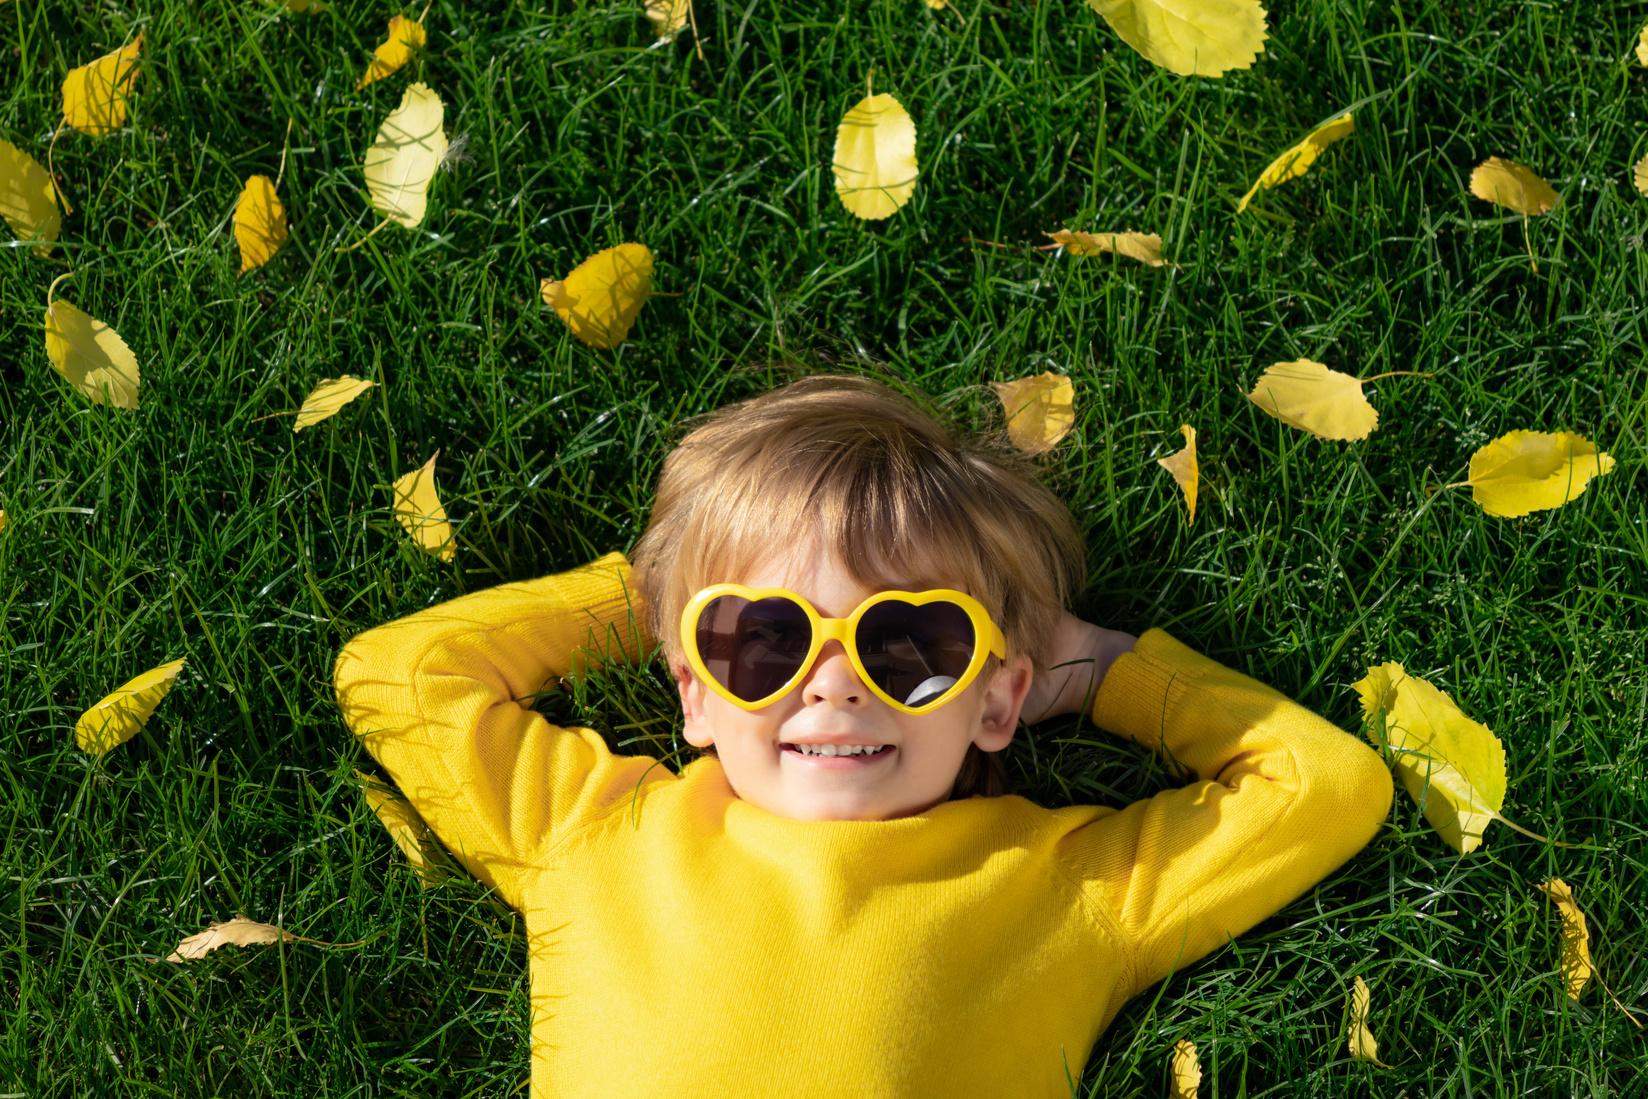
(835, 762)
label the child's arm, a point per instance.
(1281, 798)
(441, 699)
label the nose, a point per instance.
(833, 680)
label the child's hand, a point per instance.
(1081, 655)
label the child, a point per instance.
(781, 920)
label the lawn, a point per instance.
(200, 526)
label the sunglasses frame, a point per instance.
(844, 630)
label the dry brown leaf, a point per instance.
(239, 931)
(1144, 247)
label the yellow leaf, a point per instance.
(239, 931)
(94, 95)
(406, 37)
(875, 157)
(1359, 1037)
(668, 16)
(1642, 46)
(419, 509)
(1040, 410)
(1310, 397)
(405, 827)
(1144, 247)
(1576, 941)
(1509, 184)
(90, 354)
(600, 300)
(1640, 175)
(1454, 767)
(28, 199)
(1189, 37)
(1528, 471)
(2, 522)
(1297, 160)
(260, 223)
(402, 161)
(117, 717)
(938, 5)
(329, 396)
(1187, 1071)
(1184, 468)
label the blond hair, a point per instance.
(848, 467)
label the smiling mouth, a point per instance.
(838, 751)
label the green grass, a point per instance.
(195, 528)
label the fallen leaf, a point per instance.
(1184, 468)
(28, 199)
(1640, 175)
(600, 300)
(239, 931)
(2, 522)
(1452, 766)
(118, 717)
(419, 509)
(1297, 160)
(668, 16)
(1309, 396)
(1040, 410)
(90, 354)
(260, 223)
(1359, 1037)
(1576, 941)
(1528, 471)
(875, 157)
(94, 95)
(1145, 247)
(1642, 47)
(405, 827)
(938, 5)
(329, 396)
(406, 37)
(1511, 185)
(403, 160)
(1189, 37)
(1187, 1071)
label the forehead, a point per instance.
(833, 589)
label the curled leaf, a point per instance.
(1189, 37)
(406, 38)
(875, 158)
(329, 396)
(1513, 186)
(260, 223)
(419, 509)
(1310, 397)
(1576, 941)
(94, 94)
(405, 827)
(1359, 1038)
(602, 297)
(239, 931)
(402, 161)
(1298, 159)
(1040, 410)
(1184, 468)
(1187, 1070)
(1144, 247)
(90, 354)
(28, 198)
(118, 716)
(1526, 471)
(1451, 766)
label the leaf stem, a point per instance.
(1399, 374)
(280, 175)
(363, 240)
(68, 208)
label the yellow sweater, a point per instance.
(685, 943)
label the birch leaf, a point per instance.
(28, 198)
(239, 931)
(260, 223)
(1511, 185)
(1359, 1037)
(94, 95)
(1040, 411)
(875, 158)
(405, 827)
(90, 354)
(668, 16)
(118, 717)
(402, 161)
(1297, 160)
(602, 297)
(1189, 37)
(1144, 247)
(1527, 471)
(1640, 175)
(419, 509)
(1187, 1070)
(1452, 766)
(328, 397)
(1184, 468)
(406, 38)
(1576, 941)
(1309, 396)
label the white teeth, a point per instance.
(835, 749)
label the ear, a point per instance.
(696, 720)
(1003, 699)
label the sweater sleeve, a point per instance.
(442, 700)
(1280, 799)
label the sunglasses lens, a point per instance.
(753, 647)
(915, 653)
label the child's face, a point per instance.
(831, 704)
